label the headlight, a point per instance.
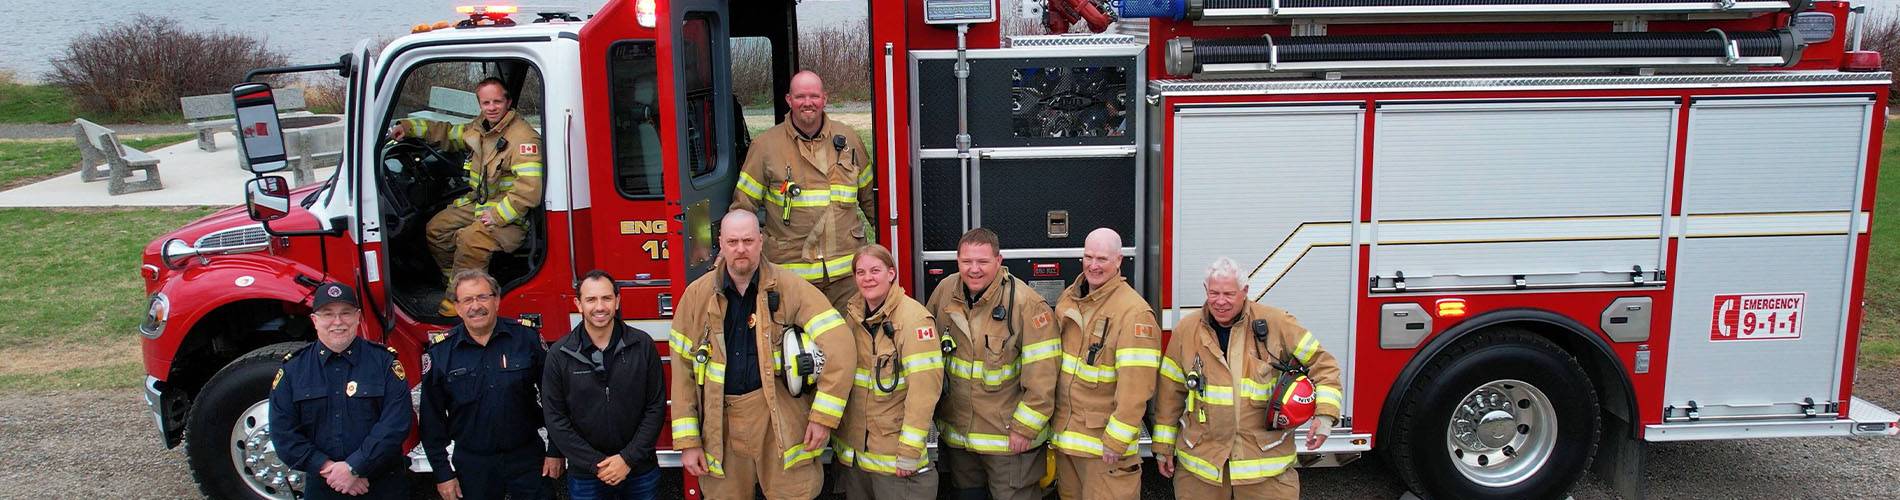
(157, 309)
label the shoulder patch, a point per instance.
(1041, 320)
(395, 366)
(276, 379)
(926, 333)
(425, 363)
(529, 148)
(1144, 331)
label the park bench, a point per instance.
(210, 114)
(104, 157)
(311, 148)
(450, 105)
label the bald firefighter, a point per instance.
(1214, 414)
(504, 171)
(736, 419)
(1003, 359)
(880, 445)
(810, 177)
(1111, 348)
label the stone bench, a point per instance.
(209, 114)
(450, 105)
(308, 149)
(104, 157)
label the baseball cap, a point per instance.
(333, 292)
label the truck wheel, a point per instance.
(1503, 414)
(227, 436)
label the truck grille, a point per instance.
(237, 239)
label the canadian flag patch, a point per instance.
(926, 333)
(530, 149)
(1041, 320)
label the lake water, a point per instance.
(309, 32)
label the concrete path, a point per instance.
(191, 177)
(65, 130)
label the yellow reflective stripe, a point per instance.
(809, 198)
(912, 437)
(1257, 391)
(864, 177)
(1047, 349)
(864, 381)
(1327, 395)
(824, 322)
(713, 465)
(1165, 434)
(750, 186)
(930, 359)
(1308, 347)
(974, 370)
(973, 441)
(840, 266)
(1075, 366)
(1198, 466)
(716, 372)
(529, 169)
(1218, 394)
(829, 405)
(455, 135)
(1030, 418)
(1120, 431)
(812, 271)
(1258, 467)
(681, 344)
(797, 454)
(418, 127)
(1172, 371)
(1137, 357)
(1077, 441)
(841, 193)
(507, 210)
(874, 462)
(685, 427)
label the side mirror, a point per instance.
(267, 198)
(259, 137)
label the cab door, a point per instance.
(707, 165)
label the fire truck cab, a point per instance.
(1536, 234)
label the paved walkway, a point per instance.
(65, 130)
(191, 177)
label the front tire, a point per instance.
(227, 435)
(1503, 414)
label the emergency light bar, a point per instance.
(1555, 51)
(485, 15)
(1271, 10)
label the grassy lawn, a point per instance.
(1880, 329)
(27, 161)
(26, 103)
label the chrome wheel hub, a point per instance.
(1502, 433)
(255, 458)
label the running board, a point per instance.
(1863, 419)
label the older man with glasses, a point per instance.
(604, 398)
(479, 390)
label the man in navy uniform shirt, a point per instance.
(480, 389)
(339, 408)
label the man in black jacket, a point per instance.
(604, 398)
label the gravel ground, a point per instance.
(65, 130)
(100, 444)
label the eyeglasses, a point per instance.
(474, 299)
(331, 315)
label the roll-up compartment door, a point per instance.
(1520, 194)
(1766, 255)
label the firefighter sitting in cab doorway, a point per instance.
(880, 446)
(762, 367)
(1239, 376)
(810, 177)
(1111, 347)
(505, 172)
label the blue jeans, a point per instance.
(632, 488)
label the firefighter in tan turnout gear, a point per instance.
(505, 171)
(810, 179)
(881, 444)
(1111, 348)
(1213, 415)
(1003, 359)
(736, 419)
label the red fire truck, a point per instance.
(1538, 234)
